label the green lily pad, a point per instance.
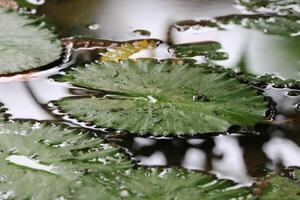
(208, 49)
(277, 25)
(162, 98)
(43, 161)
(48, 161)
(276, 187)
(169, 184)
(290, 7)
(25, 43)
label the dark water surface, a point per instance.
(272, 145)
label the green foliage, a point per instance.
(43, 161)
(47, 161)
(297, 174)
(279, 188)
(207, 49)
(259, 81)
(285, 26)
(169, 184)
(162, 98)
(286, 7)
(25, 43)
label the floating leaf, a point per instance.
(259, 81)
(277, 25)
(126, 50)
(43, 161)
(207, 49)
(279, 188)
(285, 26)
(171, 184)
(47, 161)
(162, 98)
(25, 43)
(289, 7)
(168, 184)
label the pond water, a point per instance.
(273, 144)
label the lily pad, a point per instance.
(276, 187)
(277, 25)
(43, 161)
(169, 184)
(48, 161)
(25, 43)
(162, 98)
(283, 7)
(209, 49)
(269, 24)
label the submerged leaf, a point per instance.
(126, 50)
(162, 98)
(25, 43)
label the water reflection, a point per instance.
(282, 152)
(26, 95)
(119, 19)
(19, 102)
(286, 100)
(249, 50)
(236, 157)
(230, 162)
(239, 158)
(260, 53)
(194, 159)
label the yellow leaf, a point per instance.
(126, 50)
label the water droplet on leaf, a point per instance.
(94, 27)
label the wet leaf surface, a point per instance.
(211, 50)
(48, 161)
(25, 43)
(277, 187)
(162, 98)
(282, 7)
